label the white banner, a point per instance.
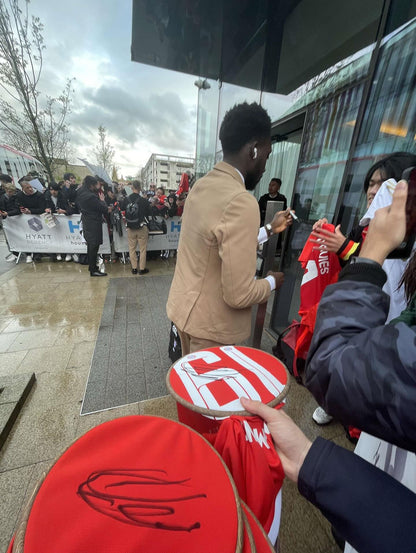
(32, 233)
(167, 241)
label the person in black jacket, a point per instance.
(56, 202)
(8, 201)
(363, 372)
(92, 212)
(137, 231)
(69, 189)
(272, 196)
(9, 208)
(30, 200)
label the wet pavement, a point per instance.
(50, 317)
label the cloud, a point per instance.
(144, 109)
(162, 120)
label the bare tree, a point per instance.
(114, 172)
(30, 120)
(104, 152)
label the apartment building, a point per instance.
(166, 171)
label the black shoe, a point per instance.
(143, 271)
(134, 271)
(97, 273)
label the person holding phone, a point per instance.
(92, 209)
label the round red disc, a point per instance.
(133, 484)
(215, 378)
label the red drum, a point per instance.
(137, 483)
(207, 384)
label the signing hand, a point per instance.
(319, 223)
(388, 228)
(278, 278)
(331, 241)
(281, 221)
(291, 443)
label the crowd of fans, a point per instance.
(34, 196)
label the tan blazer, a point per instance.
(213, 287)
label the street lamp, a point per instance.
(202, 83)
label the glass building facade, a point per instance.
(337, 79)
(329, 131)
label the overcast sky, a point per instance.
(144, 109)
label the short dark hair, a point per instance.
(275, 179)
(161, 188)
(243, 123)
(391, 167)
(67, 176)
(54, 186)
(5, 178)
(26, 178)
(136, 184)
(89, 181)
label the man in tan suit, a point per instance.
(213, 287)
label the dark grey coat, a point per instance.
(360, 370)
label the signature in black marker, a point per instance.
(140, 497)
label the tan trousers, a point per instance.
(139, 236)
(190, 344)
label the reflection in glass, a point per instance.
(390, 119)
(327, 138)
(276, 105)
(207, 124)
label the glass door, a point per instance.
(326, 139)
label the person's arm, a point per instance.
(63, 206)
(279, 223)
(336, 242)
(369, 508)
(359, 369)
(96, 204)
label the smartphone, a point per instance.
(406, 247)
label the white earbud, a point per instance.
(254, 153)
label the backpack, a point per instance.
(134, 214)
